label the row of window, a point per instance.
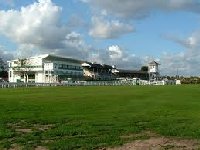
(27, 67)
(152, 67)
(64, 66)
(63, 73)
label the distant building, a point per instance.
(178, 82)
(94, 71)
(54, 69)
(44, 69)
(153, 71)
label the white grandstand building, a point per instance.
(44, 69)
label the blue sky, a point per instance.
(127, 33)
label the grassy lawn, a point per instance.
(95, 117)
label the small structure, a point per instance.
(178, 82)
(153, 71)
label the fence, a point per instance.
(76, 83)
(83, 83)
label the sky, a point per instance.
(128, 33)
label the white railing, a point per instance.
(84, 83)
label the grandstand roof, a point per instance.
(95, 65)
(58, 58)
(132, 71)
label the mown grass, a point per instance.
(95, 117)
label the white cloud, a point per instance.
(142, 8)
(37, 28)
(36, 24)
(115, 55)
(186, 5)
(181, 63)
(115, 52)
(102, 28)
(5, 54)
(186, 62)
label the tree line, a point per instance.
(3, 70)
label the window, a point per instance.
(60, 66)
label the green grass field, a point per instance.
(95, 117)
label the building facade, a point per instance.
(44, 69)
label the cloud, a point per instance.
(185, 5)
(76, 21)
(142, 8)
(115, 55)
(5, 54)
(102, 28)
(186, 62)
(37, 28)
(124, 59)
(36, 24)
(74, 46)
(181, 63)
(115, 52)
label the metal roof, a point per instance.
(58, 58)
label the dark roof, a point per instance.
(58, 58)
(154, 63)
(132, 71)
(107, 66)
(96, 66)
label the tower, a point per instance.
(153, 71)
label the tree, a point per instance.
(3, 71)
(2, 64)
(144, 68)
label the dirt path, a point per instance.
(160, 143)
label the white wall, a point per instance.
(36, 65)
(153, 69)
(48, 66)
(39, 77)
(178, 82)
